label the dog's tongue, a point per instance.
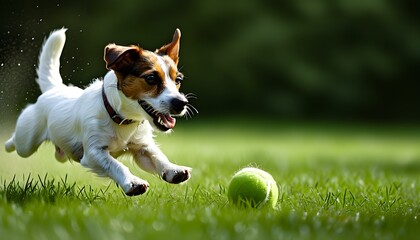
(167, 120)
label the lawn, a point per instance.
(336, 181)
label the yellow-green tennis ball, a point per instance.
(253, 187)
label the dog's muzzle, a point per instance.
(165, 121)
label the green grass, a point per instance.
(335, 182)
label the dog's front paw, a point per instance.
(136, 187)
(176, 175)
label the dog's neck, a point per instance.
(117, 118)
(123, 106)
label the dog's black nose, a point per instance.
(178, 105)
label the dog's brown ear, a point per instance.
(119, 58)
(172, 49)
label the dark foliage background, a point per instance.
(319, 59)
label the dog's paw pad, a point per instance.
(137, 189)
(176, 177)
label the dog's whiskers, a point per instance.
(191, 111)
(190, 96)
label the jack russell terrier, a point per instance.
(94, 126)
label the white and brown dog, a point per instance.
(95, 125)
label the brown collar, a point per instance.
(117, 118)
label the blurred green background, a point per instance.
(298, 59)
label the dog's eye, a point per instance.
(179, 79)
(151, 79)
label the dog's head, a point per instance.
(151, 79)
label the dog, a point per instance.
(119, 114)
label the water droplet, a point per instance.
(18, 64)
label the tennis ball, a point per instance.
(253, 187)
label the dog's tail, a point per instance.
(49, 61)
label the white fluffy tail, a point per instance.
(49, 61)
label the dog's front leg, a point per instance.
(151, 158)
(101, 162)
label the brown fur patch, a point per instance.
(173, 69)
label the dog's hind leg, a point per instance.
(60, 155)
(10, 144)
(30, 132)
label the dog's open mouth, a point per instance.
(163, 122)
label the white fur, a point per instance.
(77, 122)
